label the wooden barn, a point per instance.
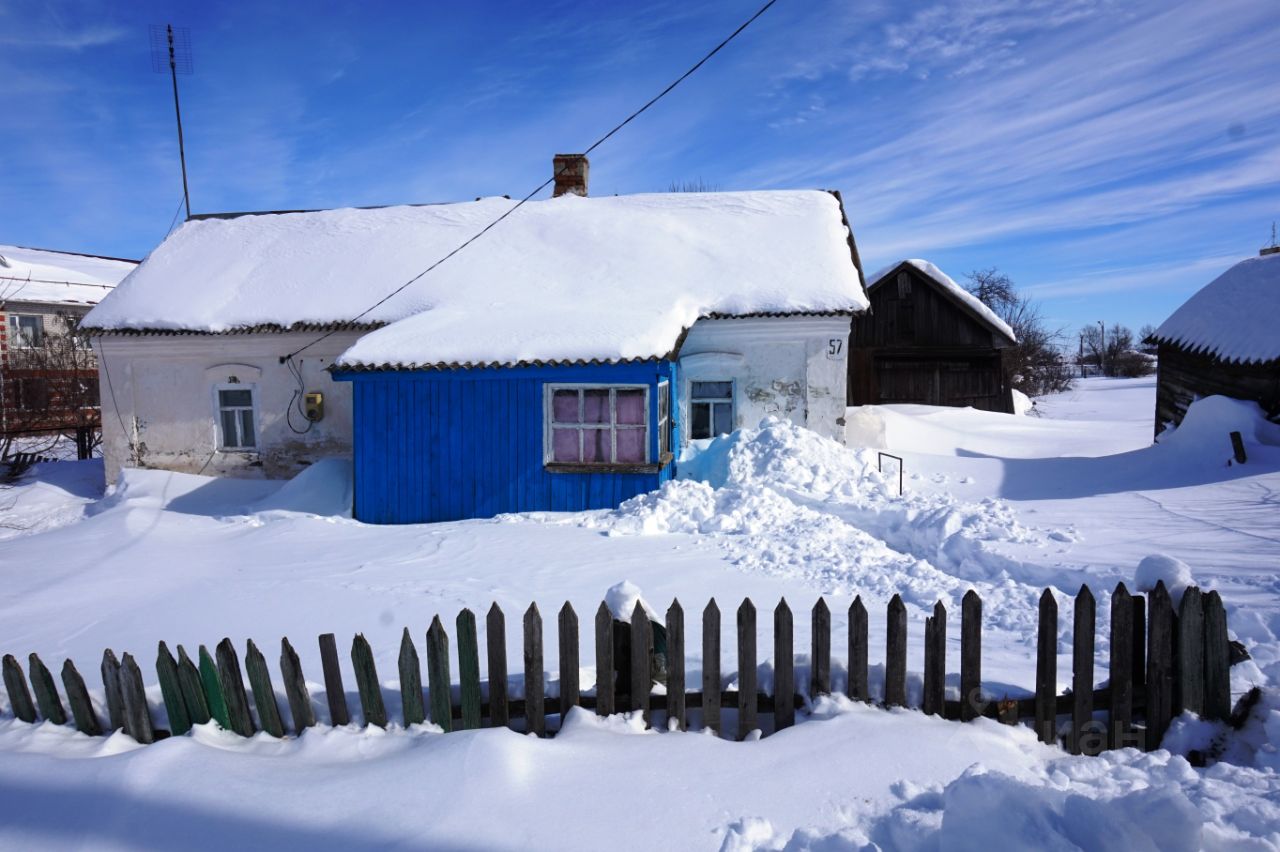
(1224, 340)
(928, 341)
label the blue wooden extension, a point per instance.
(445, 445)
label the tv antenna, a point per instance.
(171, 47)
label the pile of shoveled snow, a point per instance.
(781, 499)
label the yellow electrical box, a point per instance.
(313, 406)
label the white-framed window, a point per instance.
(664, 419)
(710, 408)
(236, 417)
(26, 331)
(597, 424)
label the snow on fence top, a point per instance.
(56, 277)
(1232, 318)
(564, 279)
(945, 281)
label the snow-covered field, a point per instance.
(1006, 505)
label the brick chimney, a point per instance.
(571, 174)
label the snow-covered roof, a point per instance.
(1234, 317)
(49, 277)
(563, 279)
(943, 280)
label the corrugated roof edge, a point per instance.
(388, 367)
(489, 365)
(263, 328)
(1209, 351)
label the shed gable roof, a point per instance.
(1232, 318)
(946, 285)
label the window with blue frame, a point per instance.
(597, 424)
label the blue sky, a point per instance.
(1111, 157)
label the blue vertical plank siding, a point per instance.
(444, 445)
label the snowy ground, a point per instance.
(1003, 504)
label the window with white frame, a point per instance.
(235, 418)
(26, 331)
(710, 409)
(597, 424)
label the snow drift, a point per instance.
(783, 500)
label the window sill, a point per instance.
(569, 467)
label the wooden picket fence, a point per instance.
(1161, 662)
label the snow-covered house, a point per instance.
(1223, 340)
(46, 383)
(558, 362)
(928, 341)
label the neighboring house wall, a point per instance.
(790, 367)
(47, 387)
(160, 401)
(1183, 377)
(442, 445)
(917, 345)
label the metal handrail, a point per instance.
(880, 457)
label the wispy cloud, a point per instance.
(48, 35)
(963, 38)
(1117, 123)
(1089, 145)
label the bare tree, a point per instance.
(1034, 365)
(696, 185)
(994, 289)
(1115, 351)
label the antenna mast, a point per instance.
(173, 47)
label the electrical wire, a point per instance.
(547, 182)
(174, 220)
(295, 369)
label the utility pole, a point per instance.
(1102, 348)
(179, 60)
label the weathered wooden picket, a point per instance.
(1161, 663)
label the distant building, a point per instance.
(928, 341)
(558, 363)
(47, 384)
(1223, 340)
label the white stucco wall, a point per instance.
(158, 402)
(792, 367)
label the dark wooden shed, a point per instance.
(1224, 340)
(927, 341)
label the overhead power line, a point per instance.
(548, 181)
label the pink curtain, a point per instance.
(631, 407)
(631, 445)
